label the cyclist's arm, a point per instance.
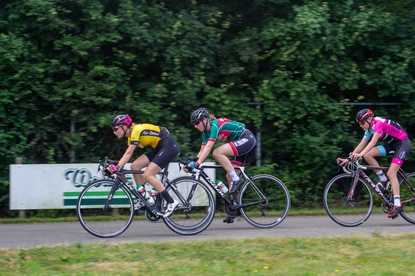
(204, 151)
(355, 153)
(371, 145)
(361, 146)
(127, 156)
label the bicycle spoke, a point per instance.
(196, 207)
(266, 201)
(99, 221)
(345, 207)
(407, 198)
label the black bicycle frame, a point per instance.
(232, 203)
(122, 180)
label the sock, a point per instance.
(382, 176)
(166, 196)
(397, 201)
(234, 176)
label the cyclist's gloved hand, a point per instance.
(113, 168)
(341, 162)
(193, 165)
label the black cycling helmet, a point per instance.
(199, 115)
(364, 114)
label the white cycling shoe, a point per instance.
(170, 208)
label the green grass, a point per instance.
(358, 255)
(377, 254)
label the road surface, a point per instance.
(49, 234)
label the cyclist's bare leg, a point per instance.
(138, 164)
(393, 178)
(150, 176)
(370, 157)
(221, 154)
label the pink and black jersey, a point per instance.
(389, 130)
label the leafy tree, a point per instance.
(293, 71)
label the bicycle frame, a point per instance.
(231, 202)
(122, 180)
(361, 173)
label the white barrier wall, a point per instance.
(57, 186)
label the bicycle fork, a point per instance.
(111, 194)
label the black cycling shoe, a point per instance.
(228, 220)
(235, 186)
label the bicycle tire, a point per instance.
(195, 217)
(347, 213)
(407, 198)
(272, 197)
(104, 223)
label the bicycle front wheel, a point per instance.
(196, 207)
(266, 199)
(407, 191)
(101, 222)
(345, 207)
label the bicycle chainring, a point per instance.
(150, 217)
(231, 212)
(386, 208)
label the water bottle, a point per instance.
(221, 186)
(142, 190)
(380, 186)
(153, 195)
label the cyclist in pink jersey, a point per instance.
(396, 142)
(241, 143)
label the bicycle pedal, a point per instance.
(229, 220)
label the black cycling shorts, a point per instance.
(243, 148)
(165, 152)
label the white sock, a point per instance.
(397, 201)
(234, 176)
(382, 176)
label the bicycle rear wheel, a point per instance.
(268, 201)
(347, 212)
(196, 207)
(407, 198)
(104, 223)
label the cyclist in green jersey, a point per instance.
(241, 142)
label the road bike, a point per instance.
(263, 200)
(349, 201)
(106, 208)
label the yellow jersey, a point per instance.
(143, 135)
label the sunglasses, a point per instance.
(196, 123)
(362, 123)
(114, 129)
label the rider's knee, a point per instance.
(216, 153)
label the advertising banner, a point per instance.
(57, 186)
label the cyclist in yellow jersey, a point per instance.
(164, 150)
(146, 135)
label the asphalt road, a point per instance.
(49, 234)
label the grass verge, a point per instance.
(358, 255)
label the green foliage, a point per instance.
(287, 69)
